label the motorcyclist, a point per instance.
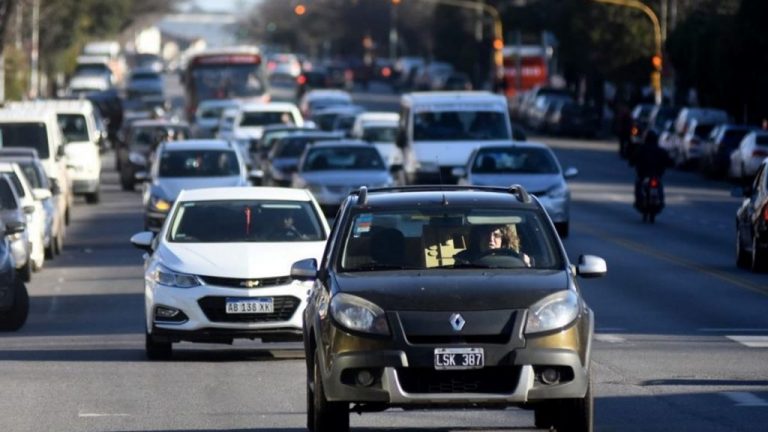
(649, 160)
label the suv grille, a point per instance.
(500, 380)
(244, 283)
(214, 309)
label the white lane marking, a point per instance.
(733, 330)
(86, 415)
(745, 399)
(751, 341)
(609, 338)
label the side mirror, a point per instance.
(143, 240)
(141, 176)
(591, 266)
(29, 209)
(459, 172)
(42, 194)
(305, 269)
(14, 228)
(570, 172)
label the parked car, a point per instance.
(31, 202)
(143, 138)
(412, 308)
(283, 159)
(717, 148)
(692, 142)
(221, 269)
(332, 169)
(14, 214)
(14, 298)
(532, 165)
(752, 223)
(188, 164)
(748, 156)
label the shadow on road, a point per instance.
(91, 354)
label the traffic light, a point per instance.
(656, 62)
(300, 9)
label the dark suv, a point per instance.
(447, 296)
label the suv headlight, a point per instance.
(164, 276)
(359, 314)
(159, 204)
(557, 191)
(552, 312)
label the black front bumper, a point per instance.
(216, 335)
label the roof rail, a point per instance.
(362, 196)
(519, 191)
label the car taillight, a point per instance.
(759, 153)
(654, 183)
(301, 80)
(386, 72)
(635, 131)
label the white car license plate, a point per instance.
(261, 305)
(459, 358)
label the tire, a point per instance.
(759, 257)
(743, 259)
(544, 415)
(157, 350)
(563, 229)
(576, 415)
(92, 198)
(50, 250)
(25, 273)
(17, 316)
(326, 416)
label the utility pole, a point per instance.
(393, 34)
(34, 78)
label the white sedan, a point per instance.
(746, 159)
(220, 268)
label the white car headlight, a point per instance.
(359, 314)
(553, 312)
(137, 158)
(164, 276)
(557, 191)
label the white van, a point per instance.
(439, 130)
(38, 129)
(77, 120)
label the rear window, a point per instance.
(264, 118)
(380, 134)
(448, 238)
(343, 158)
(292, 147)
(703, 131)
(252, 221)
(199, 163)
(515, 161)
(25, 135)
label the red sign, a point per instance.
(227, 59)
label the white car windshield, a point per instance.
(460, 126)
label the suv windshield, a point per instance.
(515, 160)
(460, 125)
(380, 134)
(263, 118)
(25, 135)
(343, 158)
(245, 221)
(199, 163)
(449, 238)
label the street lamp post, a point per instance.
(657, 57)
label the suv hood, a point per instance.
(169, 188)
(453, 290)
(254, 260)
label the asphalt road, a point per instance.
(681, 345)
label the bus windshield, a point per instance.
(225, 81)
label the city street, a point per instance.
(681, 335)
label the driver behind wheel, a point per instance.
(485, 240)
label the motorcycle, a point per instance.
(650, 200)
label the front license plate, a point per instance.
(459, 358)
(261, 305)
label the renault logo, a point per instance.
(250, 283)
(457, 322)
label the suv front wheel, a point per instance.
(322, 415)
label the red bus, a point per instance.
(229, 73)
(532, 68)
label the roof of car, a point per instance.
(339, 109)
(448, 195)
(524, 144)
(375, 116)
(158, 123)
(219, 103)
(59, 105)
(452, 97)
(6, 166)
(272, 106)
(20, 152)
(197, 144)
(328, 94)
(342, 143)
(245, 193)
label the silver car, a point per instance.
(532, 165)
(331, 169)
(13, 214)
